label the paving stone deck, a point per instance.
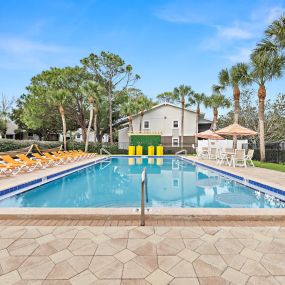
(252, 254)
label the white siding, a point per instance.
(123, 138)
(161, 120)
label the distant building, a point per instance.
(14, 132)
(165, 120)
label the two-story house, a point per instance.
(165, 120)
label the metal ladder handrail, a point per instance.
(104, 150)
(143, 184)
(181, 151)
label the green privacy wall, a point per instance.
(145, 141)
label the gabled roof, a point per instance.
(172, 105)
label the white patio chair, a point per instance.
(213, 153)
(223, 159)
(249, 157)
(203, 153)
(239, 159)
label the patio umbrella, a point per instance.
(236, 130)
(209, 135)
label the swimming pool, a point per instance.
(171, 182)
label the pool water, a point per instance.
(171, 182)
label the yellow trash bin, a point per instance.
(150, 150)
(159, 150)
(139, 150)
(131, 150)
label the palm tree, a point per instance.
(216, 101)
(274, 36)
(198, 99)
(179, 94)
(91, 91)
(128, 109)
(265, 66)
(60, 97)
(165, 97)
(236, 76)
(142, 103)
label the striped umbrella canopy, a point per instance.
(236, 130)
(209, 135)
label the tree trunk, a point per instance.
(89, 126)
(261, 106)
(110, 118)
(95, 125)
(197, 123)
(215, 119)
(130, 123)
(61, 110)
(182, 121)
(236, 95)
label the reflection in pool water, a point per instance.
(171, 183)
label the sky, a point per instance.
(168, 42)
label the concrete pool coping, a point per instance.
(191, 214)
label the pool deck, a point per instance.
(23, 177)
(107, 246)
(129, 255)
(266, 176)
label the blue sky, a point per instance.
(168, 42)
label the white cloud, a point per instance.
(241, 54)
(234, 33)
(273, 14)
(181, 12)
(18, 45)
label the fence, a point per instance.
(275, 155)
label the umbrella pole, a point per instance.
(235, 142)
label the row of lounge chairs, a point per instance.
(11, 166)
(228, 156)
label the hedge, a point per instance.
(96, 147)
(10, 145)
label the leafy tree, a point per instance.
(5, 108)
(265, 66)
(274, 116)
(216, 101)
(92, 92)
(60, 97)
(111, 70)
(166, 97)
(197, 99)
(142, 103)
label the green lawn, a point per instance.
(269, 165)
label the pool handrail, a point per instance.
(181, 151)
(143, 183)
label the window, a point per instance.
(146, 124)
(175, 124)
(175, 142)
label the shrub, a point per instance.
(113, 148)
(9, 145)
